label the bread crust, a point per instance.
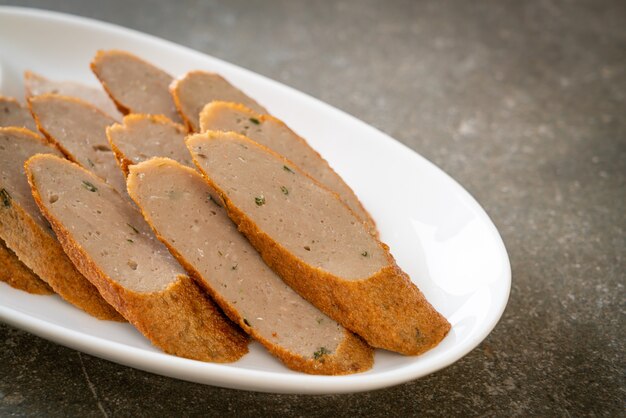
(352, 355)
(199, 331)
(17, 275)
(386, 309)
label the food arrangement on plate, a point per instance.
(190, 212)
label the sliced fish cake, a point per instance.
(316, 244)
(197, 88)
(14, 272)
(135, 85)
(176, 202)
(274, 134)
(141, 137)
(79, 129)
(36, 85)
(28, 234)
(12, 113)
(111, 244)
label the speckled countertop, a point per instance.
(524, 103)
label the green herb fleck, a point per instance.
(286, 168)
(320, 353)
(364, 253)
(130, 240)
(245, 321)
(133, 228)
(234, 267)
(255, 121)
(319, 320)
(284, 190)
(89, 186)
(219, 252)
(210, 199)
(6, 198)
(91, 164)
(259, 200)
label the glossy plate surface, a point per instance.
(438, 233)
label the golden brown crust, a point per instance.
(353, 355)
(363, 214)
(180, 320)
(183, 115)
(386, 309)
(14, 273)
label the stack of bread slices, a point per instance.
(183, 207)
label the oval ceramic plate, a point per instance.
(436, 230)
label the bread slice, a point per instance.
(197, 88)
(78, 129)
(274, 134)
(12, 113)
(135, 85)
(176, 202)
(111, 244)
(17, 275)
(36, 85)
(141, 137)
(316, 244)
(27, 233)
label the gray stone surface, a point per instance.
(523, 102)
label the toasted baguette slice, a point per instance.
(316, 244)
(27, 233)
(135, 85)
(111, 244)
(78, 129)
(12, 113)
(17, 275)
(36, 85)
(275, 135)
(174, 200)
(197, 88)
(142, 137)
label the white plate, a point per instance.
(436, 230)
